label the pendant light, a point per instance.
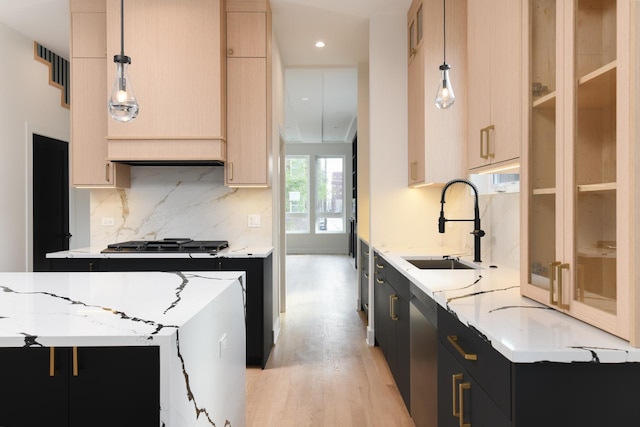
(123, 105)
(444, 96)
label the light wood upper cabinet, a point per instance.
(436, 137)
(248, 93)
(578, 160)
(177, 72)
(89, 164)
(494, 41)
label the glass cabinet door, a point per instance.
(543, 148)
(595, 154)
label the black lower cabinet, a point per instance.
(392, 323)
(480, 387)
(109, 386)
(259, 300)
(258, 288)
(461, 400)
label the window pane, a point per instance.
(330, 195)
(297, 194)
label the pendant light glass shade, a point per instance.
(445, 96)
(123, 105)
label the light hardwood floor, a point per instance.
(321, 372)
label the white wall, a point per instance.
(28, 105)
(400, 216)
(403, 217)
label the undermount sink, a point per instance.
(439, 264)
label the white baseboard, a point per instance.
(276, 330)
(371, 337)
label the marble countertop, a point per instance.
(103, 309)
(489, 300)
(230, 252)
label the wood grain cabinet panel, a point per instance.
(494, 77)
(177, 72)
(248, 94)
(89, 93)
(436, 137)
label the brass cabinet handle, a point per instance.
(414, 171)
(453, 340)
(380, 266)
(230, 169)
(552, 279)
(485, 132)
(380, 282)
(461, 388)
(52, 361)
(560, 300)
(75, 361)
(366, 276)
(392, 307)
(454, 379)
(107, 175)
(229, 51)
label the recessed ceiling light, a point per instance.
(305, 98)
(320, 44)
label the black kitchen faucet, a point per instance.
(477, 232)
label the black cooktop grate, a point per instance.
(168, 245)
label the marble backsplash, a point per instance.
(174, 201)
(499, 217)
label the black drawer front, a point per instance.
(491, 369)
(388, 273)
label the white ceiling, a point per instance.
(327, 77)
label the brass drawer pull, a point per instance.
(552, 280)
(483, 132)
(392, 307)
(454, 380)
(75, 361)
(461, 388)
(453, 339)
(52, 361)
(380, 266)
(561, 304)
(380, 282)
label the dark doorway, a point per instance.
(50, 199)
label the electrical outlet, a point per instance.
(254, 220)
(222, 345)
(108, 222)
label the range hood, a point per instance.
(166, 151)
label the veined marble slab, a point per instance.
(184, 314)
(233, 251)
(524, 331)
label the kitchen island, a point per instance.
(256, 262)
(164, 348)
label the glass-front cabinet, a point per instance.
(577, 197)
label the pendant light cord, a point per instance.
(444, 30)
(122, 27)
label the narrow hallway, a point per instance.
(321, 372)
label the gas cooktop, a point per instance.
(168, 245)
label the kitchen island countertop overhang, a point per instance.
(187, 315)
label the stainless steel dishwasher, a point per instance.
(424, 359)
